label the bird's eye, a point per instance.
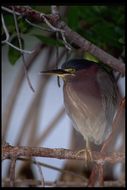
(70, 70)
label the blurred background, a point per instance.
(38, 119)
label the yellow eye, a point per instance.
(70, 70)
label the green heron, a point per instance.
(90, 98)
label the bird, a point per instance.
(90, 99)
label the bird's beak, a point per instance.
(57, 72)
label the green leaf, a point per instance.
(10, 24)
(90, 57)
(14, 54)
(49, 41)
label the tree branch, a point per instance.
(33, 182)
(16, 151)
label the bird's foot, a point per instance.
(87, 155)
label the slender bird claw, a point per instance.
(87, 155)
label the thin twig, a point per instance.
(12, 171)
(18, 49)
(57, 56)
(20, 45)
(10, 11)
(5, 29)
(49, 24)
(40, 171)
(67, 45)
(39, 27)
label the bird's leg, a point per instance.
(87, 153)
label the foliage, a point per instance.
(102, 25)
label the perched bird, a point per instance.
(90, 99)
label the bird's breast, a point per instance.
(83, 104)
